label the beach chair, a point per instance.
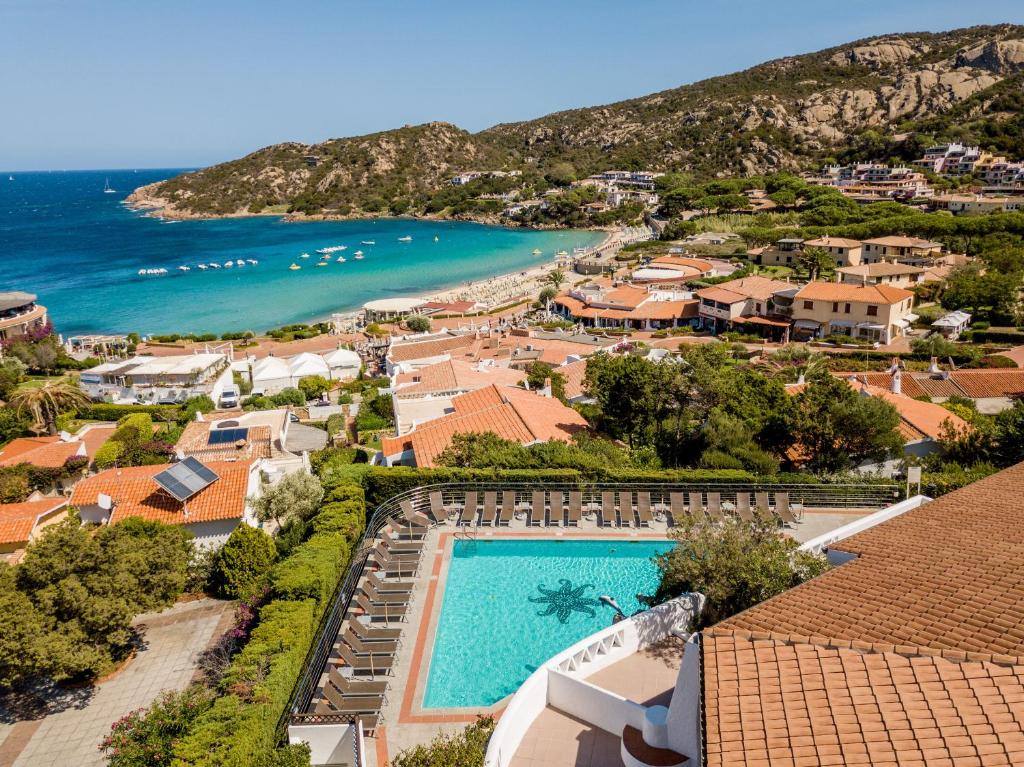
(354, 705)
(387, 585)
(508, 508)
(715, 507)
(762, 508)
(411, 516)
(437, 510)
(556, 508)
(782, 509)
(490, 510)
(468, 515)
(677, 507)
(373, 663)
(370, 633)
(383, 552)
(575, 511)
(388, 646)
(695, 504)
(377, 597)
(535, 514)
(386, 612)
(402, 546)
(643, 508)
(609, 508)
(400, 532)
(743, 507)
(627, 509)
(356, 688)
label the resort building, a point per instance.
(877, 313)
(20, 315)
(164, 380)
(845, 252)
(882, 273)
(70, 454)
(749, 301)
(904, 250)
(208, 499)
(626, 306)
(784, 252)
(22, 523)
(510, 412)
(976, 203)
(270, 375)
(574, 375)
(673, 269)
(951, 325)
(391, 309)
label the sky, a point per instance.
(119, 84)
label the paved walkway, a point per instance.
(68, 724)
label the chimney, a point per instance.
(897, 381)
(546, 391)
(801, 379)
(933, 367)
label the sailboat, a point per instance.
(106, 187)
(436, 238)
(10, 178)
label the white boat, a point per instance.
(106, 187)
(295, 267)
(304, 255)
(341, 259)
(359, 256)
(185, 268)
(407, 238)
(436, 238)
(252, 261)
(359, 253)
(331, 249)
(364, 242)
(202, 266)
(215, 266)
(239, 262)
(322, 263)
(10, 178)
(228, 264)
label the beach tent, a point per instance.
(270, 375)
(344, 364)
(307, 364)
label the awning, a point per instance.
(912, 317)
(902, 324)
(841, 323)
(809, 324)
(753, 320)
(870, 326)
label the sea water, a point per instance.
(509, 605)
(80, 250)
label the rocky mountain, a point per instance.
(785, 114)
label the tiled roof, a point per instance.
(772, 702)
(49, 452)
(136, 494)
(919, 420)
(975, 384)
(723, 295)
(760, 288)
(95, 437)
(841, 291)
(194, 441)
(18, 519)
(832, 242)
(910, 653)
(417, 350)
(699, 264)
(880, 269)
(574, 374)
(456, 374)
(896, 241)
(511, 413)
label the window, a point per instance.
(808, 304)
(846, 309)
(757, 308)
(835, 306)
(872, 311)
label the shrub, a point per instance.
(465, 749)
(198, 404)
(418, 323)
(146, 737)
(108, 454)
(288, 396)
(296, 496)
(14, 484)
(242, 563)
(336, 425)
(313, 569)
(105, 412)
(141, 424)
(345, 517)
(313, 387)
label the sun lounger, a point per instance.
(371, 663)
(378, 598)
(398, 568)
(643, 508)
(715, 507)
(370, 633)
(369, 648)
(761, 506)
(556, 508)
(575, 512)
(609, 514)
(782, 509)
(397, 531)
(388, 612)
(352, 705)
(386, 585)
(677, 504)
(437, 510)
(695, 504)
(490, 510)
(627, 510)
(356, 688)
(468, 515)
(411, 516)
(743, 507)
(387, 552)
(536, 511)
(508, 507)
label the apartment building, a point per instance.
(877, 313)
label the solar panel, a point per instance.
(185, 479)
(226, 436)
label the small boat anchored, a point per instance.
(185, 268)
(364, 242)
(295, 267)
(359, 256)
(341, 259)
(322, 263)
(203, 267)
(537, 251)
(252, 261)
(407, 238)
(304, 255)
(436, 238)
(107, 189)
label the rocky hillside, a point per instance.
(785, 114)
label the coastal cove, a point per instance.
(80, 250)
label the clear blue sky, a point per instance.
(117, 84)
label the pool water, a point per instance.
(491, 636)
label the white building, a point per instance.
(149, 379)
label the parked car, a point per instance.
(229, 397)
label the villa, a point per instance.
(844, 251)
(58, 451)
(882, 273)
(165, 380)
(626, 306)
(877, 313)
(510, 412)
(20, 315)
(753, 301)
(992, 390)
(208, 499)
(899, 249)
(22, 523)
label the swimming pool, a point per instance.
(509, 605)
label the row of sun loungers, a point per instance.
(611, 509)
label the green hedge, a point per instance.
(107, 412)
(994, 336)
(313, 569)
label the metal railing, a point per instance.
(810, 496)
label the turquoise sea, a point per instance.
(80, 250)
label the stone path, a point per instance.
(64, 727)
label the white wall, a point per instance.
(594, 705)
(212, 535)
(329, 744)
(823, 542)
(683, 722)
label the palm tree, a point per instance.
(555, 278)
(45, 403)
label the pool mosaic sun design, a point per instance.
(565, 600)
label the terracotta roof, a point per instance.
(723, 295)
(666, 310)
(760, 288)
(880, 269)
(574, 373)
(975, 384)
(832, 242)
(417, 350)
(511, 413)
(690, 263)
(47, 452)
(136, 494)
(910, 653)
(919, 420)
(17, 520)
(454, 374)
(194, 441)
(95, 437)
(895, 241)
(628, 296)
(841, 291)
